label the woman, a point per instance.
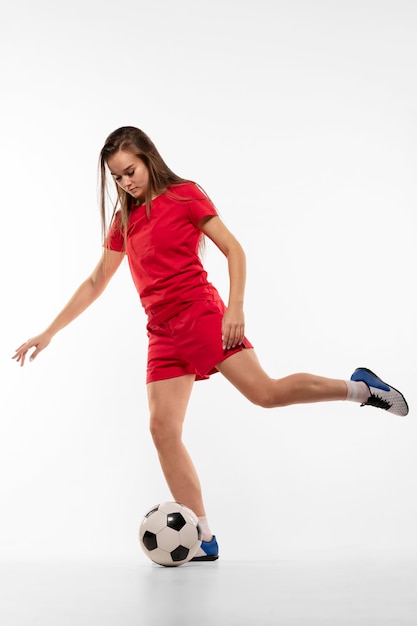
(158, 221)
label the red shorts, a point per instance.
(189, 343)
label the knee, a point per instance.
(158, 430)
(266, 402)
(163, 432)
(264, 397)
(269, 394)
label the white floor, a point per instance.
(353, 592)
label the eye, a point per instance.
(131, 173)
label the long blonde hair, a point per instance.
(134, 140)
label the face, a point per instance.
(130, 173)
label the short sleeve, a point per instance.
(199, 204)
(115, 239)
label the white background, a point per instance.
(299, 120)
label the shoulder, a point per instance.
(193, 200)
(188, 190)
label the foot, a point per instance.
(382, 395)
(208, 551)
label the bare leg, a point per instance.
(168, 400)
(244, 371)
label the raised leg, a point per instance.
(244, 371)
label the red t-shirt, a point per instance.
(163, 251)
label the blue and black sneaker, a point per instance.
(208, 551)
(382, 395)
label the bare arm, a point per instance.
(233, 328)
(85, 295)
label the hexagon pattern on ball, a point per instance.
(170, 534)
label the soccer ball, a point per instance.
(170, 534)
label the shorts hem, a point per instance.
(159, 375)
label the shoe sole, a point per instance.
(208, 557)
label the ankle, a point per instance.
(357, 391)
(206, 534)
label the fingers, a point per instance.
(20, 347)
(20, 355)
(232, 336)
(21, 352)
(20, 358)
(233, 327)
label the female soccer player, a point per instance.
(158, 221)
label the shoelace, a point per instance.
(378, 402)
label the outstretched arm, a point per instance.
(233, 328)
(85, 295)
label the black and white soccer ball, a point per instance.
(170, 534)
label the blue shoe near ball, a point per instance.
(208, 551)
(381, 395)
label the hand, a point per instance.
(39, 343)
(233, 327)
